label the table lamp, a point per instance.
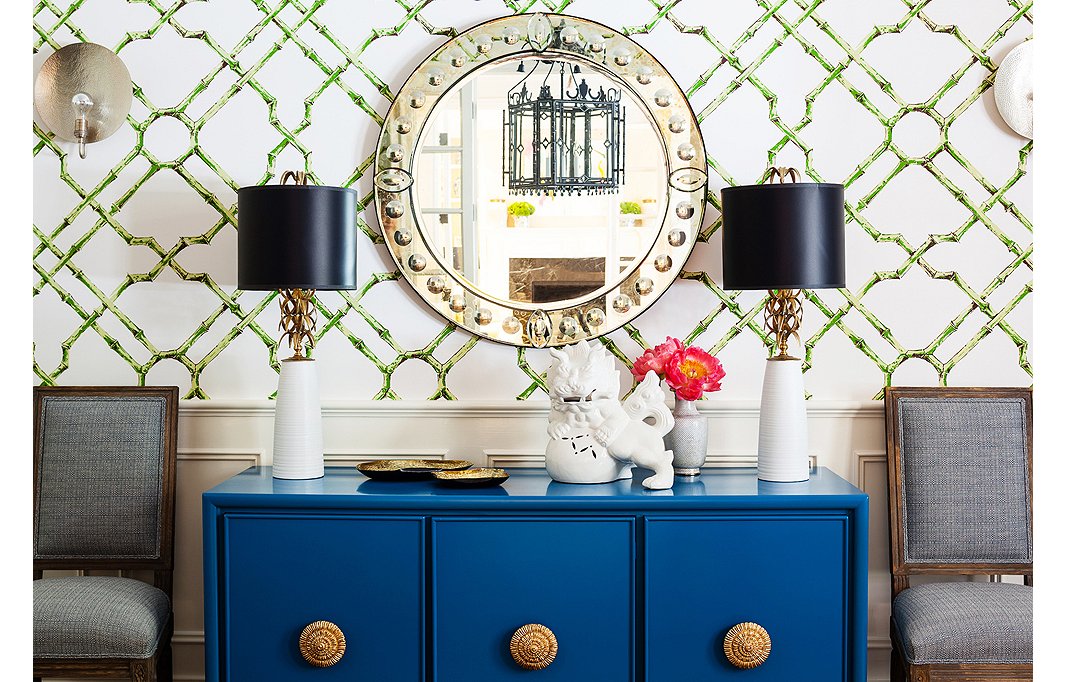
(783, 237)
(296, 238)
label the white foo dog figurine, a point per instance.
(594, 437)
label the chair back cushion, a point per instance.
(964, 464)
(101, 463)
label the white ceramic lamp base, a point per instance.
(783, 424)
(298, 422)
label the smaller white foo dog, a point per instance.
(594, 437)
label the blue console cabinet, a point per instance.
(429, 583)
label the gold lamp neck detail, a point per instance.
(782, 316)
(298, 317)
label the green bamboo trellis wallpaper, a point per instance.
(135, 246)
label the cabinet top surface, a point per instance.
(344, 486)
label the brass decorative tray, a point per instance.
(410, 469)
(479, 476)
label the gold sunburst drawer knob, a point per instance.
(747, 645)
(322, 643)
(534, 646)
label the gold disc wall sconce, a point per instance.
(83, 93)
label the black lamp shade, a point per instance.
(783, 236)
(296, 237)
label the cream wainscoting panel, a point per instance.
(529, 459)
(199, 468)
(220, 438)
(350, 457)
(871, 476)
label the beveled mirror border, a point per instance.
(646, 80)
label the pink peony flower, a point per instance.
(693, 372)
(656, 359)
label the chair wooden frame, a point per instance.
(159, 666)
(903, 570)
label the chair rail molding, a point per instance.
(501, 408)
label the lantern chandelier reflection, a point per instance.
(570, 141)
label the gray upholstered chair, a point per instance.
(103, 501)
(960, 502)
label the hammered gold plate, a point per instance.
(472, 477)
(409, 469)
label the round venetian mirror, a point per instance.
(540, 179)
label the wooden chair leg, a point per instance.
(165, 663)
(143, 670)
(896, 671)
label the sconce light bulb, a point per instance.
(82, 103)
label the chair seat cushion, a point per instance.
(965, 622)
(97, 617)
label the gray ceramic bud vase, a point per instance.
(688, 438)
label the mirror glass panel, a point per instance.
(576, 242)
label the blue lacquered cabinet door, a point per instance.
(284, 572)
(787, 573)
(494, 575)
